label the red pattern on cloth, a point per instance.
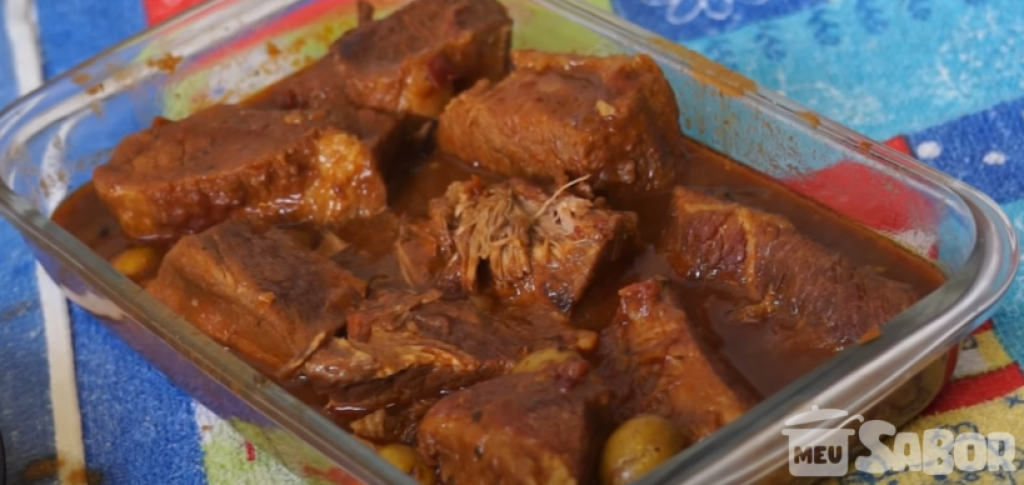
(977, 389)
(159, 10)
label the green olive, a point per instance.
(637, 447)
(539, 359)
(405, 459)
(137, 261)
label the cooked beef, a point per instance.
(412, 61)
(657, 361)
(317, 86)
(402, 347)
(537, 428)
(255, 290)
(561, 117)
(181, 177)
(530, 244)
(811, 297)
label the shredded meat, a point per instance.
(403, 346)
(527, 243)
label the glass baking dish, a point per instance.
(226, 50)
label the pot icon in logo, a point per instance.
(819, 452)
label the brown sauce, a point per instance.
(84, 216)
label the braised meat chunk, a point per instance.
(253, 289)
(530, 244)
(560, 117)
(655, 358)
(317, 86)
(417, 58)
(536, 428)
(811, 297)
(412, 61)
(402, 347)
(182, 177)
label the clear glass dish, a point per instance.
(51, 139)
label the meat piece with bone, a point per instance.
(410, 62)
(406, 346)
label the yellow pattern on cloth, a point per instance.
(980, 354)
(1000, 415)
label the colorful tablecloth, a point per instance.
(940, 79)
